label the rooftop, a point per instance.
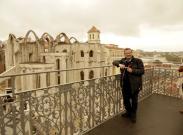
(93, 29)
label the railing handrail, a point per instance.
(58, 85)
(51, 71)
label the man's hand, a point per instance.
(121, 66)
(129, 69)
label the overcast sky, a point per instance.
(139, 24)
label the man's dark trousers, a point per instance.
(130, 99)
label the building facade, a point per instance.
(2, 66)
(25, 55)
(44, 54)
(2, 58)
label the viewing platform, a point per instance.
(157, 115)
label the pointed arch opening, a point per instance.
(91, 74)
(82, 75)
(82, 53)
(91, 53)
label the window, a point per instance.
(91, 53)
(8, 91)
(30, 57)
(58, 64)
(44, 59)
(64, 51)
(58, 68)
(58, 80)
(82, 53)
(93, 36)
(105, 72)
(82, 75)
(91, 74)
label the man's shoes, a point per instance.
(181, 111)
(126, 115)
(133, 118)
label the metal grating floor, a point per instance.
(157, 115)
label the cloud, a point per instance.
(120, 17)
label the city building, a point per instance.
(2, 57)
(25, 55)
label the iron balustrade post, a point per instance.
(60, 109)
(2, 122)
(66, 114)
(71, 116)
(30, 116)
(22, 113)
(80, 118)
(102, 111)
(151, 80)
(163, 80)
(13, 106)
(158, 79)
(171, 82)
(93, 105)
(90, 108)
(117, 94)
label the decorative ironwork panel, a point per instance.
(74, 108)
(165, 82)
(147, 85)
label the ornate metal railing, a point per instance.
(167, 82)
(74, 108)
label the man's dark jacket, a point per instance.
(135, 77)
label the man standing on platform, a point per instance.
(132, 70)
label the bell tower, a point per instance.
(94, 35)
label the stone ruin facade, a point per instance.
(33, 54)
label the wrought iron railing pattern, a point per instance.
(166, 81)
(73, 108)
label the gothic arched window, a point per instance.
(91, 53)
(82, 75)
(44, 59)
(82, 53)
(91, 74)
(58, 64)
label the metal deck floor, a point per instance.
(157, 115)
